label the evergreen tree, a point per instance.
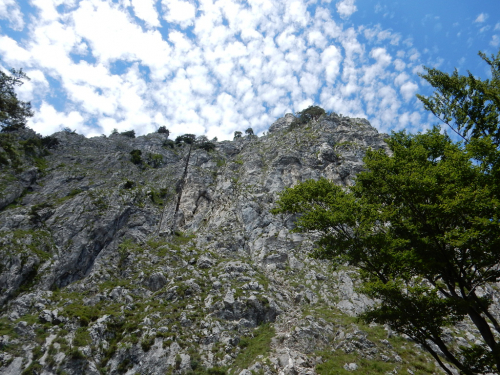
(13, 112)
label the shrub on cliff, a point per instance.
(136, 156)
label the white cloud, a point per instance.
(145, 10)
(9, 10)
(239, 65)
(495, 41)
(179, 12)
(346, 8)
(37, 86)
(481, 18)
(408, 90)
(47, 120)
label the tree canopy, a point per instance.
(423, 223)
(13, 112)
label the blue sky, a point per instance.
(216, 66)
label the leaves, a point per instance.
(422, 225)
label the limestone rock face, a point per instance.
(98, 274)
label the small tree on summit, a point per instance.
(311, 113)
(163, 130)
(13, 112)
(237, 134)
(249, 131)
(306, 115)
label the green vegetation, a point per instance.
(155, 160)
(13, 112)
(128, 133)
(259, 344)
(423, 225)
(306, 115)
(186, 139)
(163, 130)
(136, 156)
(82, 337)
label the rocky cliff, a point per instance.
(167, 260)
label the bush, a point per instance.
(237, 134)
(169, 144)
(155, 160)
(249, 131)
(129, 184)
(136, 156)
(129, 133)
(49, 142)
(186, 138)
(306, 115)
(207, 146)
(147, 343)
(163, 130)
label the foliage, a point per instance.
(186, 138)
(129, 133)
(249, 131)
(423, 225)
(168, 143)
(136, 156)
(254, 346)
(13, 112)
(207, 146)
(306, 115)
(163, 130)
(129, 184)
(468, 105)
(49, 142)
(155, 160)
(237, 134)
(471, 108)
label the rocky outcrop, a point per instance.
(93, 280)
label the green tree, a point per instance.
(13, 112)
(186, 138)
(423, 223)
(237, 134)
(163, 130)
(249, 131)
(306, 115)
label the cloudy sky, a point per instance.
(216, 66)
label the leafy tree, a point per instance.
(423, 224)
(129, 133)
(249, 131)
(136, 156)
(168, 143)
(163, 130)
(468, 105)
(306, 115)
(237, 134)
(13, 112)
(471, 108)
(186, 138)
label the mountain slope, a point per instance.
(98, 274)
